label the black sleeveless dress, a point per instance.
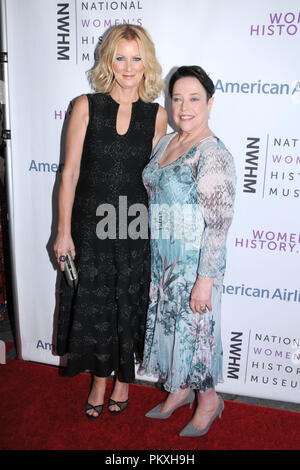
(101, 326)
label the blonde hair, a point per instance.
(102, 77)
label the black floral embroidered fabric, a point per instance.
(102, 325)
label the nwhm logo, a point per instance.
(63, 31)
(251, 165)
(235, 354)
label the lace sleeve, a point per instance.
(215, 194)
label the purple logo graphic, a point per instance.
(96, 17)
(273, 360)
(282, 176)
(271, 241)
(278, 24)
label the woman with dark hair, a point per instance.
(191, 186)
(109, 141)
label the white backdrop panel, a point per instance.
(251, 52)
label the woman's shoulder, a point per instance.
(163, 141)
(209, 144)
(215, 154)
(161, 145)
(148, 106)
(212, 145)
(97, 97)
(80, 105)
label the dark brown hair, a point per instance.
(193, 71)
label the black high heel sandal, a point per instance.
(97, 408)
(121, 404)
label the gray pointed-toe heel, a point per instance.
(156, 414)
(191, 431)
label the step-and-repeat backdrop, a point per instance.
(251, 51)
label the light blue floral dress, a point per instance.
(190, 211)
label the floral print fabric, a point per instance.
(190, 212)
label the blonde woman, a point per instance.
(109, 141)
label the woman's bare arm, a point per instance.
(74, 144)
(160, 125)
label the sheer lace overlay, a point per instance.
(184, 349)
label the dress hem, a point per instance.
(203, 386)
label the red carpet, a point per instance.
(42, 410)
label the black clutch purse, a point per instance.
(70, 272)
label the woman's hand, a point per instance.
(201, 295)
(63, 245)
